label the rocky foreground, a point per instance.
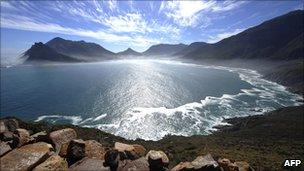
(22, 149)
(264, 141)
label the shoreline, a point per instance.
(262, 140)
(241, 72)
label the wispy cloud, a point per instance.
(24, 23)
(184, 13)
(133, 23)
(221, 36)
(110, 27)
(192, 13)
(112, 4)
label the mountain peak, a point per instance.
(79, 49)
(164, 49)
(42, 52)
(129, 52)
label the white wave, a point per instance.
(86, 120)
(100, 117)
(75, 120)
(201, 117)
(196, 117)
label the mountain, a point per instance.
(129, 52)
(40, 52)
(190, 48)
(280, 38)
(164, 49)
(80, 49)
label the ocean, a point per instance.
(145, 99)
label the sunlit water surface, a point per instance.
(145, 99)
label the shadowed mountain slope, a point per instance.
(276, 39)
(129, 52)
(80, 49)
(164, 49)
(40, 52)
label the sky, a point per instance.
(117, 25)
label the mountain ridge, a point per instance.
(129, 52)
(80, 49)
(163, 49)
(40, 52)
(280, 38)
(258, 42)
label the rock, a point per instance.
(75, 151)
(243, 166)
(232, 167)
(90, 164)
(63, 136)
(4, 148)
(205, 163)
(139, 150)
(201, 163)
(224, 163)
(158, 160)
(8, 125)
(94, 149)
(39, 136)
(132, 152)
(6, 136)
(123, 147)
(23, 137)
(138, 164)
(182, 166)
(79, 149)
(26, 157)
(55, 162)
(64, 149)
(112, 158)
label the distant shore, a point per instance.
(287, 73)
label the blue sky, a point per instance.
(117, 25)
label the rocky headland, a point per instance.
(261, 142)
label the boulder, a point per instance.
(224, 163)
(123, 147)
(201, 163)
(89, 164)
(61, 137)
(233, 167)
(205, 163)
(75, 151)
(26, 157)
(79, 149)
(182, 166)
(4, 148)
(138, 164)
(8, 125)
(6, 136)
(23, 137)
(64, 149)
(139, 150)
(132, 152)
(243, 166)
(39, 136)
(112, 157)
(94, 149)
(158, 160)
(55, 162)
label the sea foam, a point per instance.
(196, 117)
